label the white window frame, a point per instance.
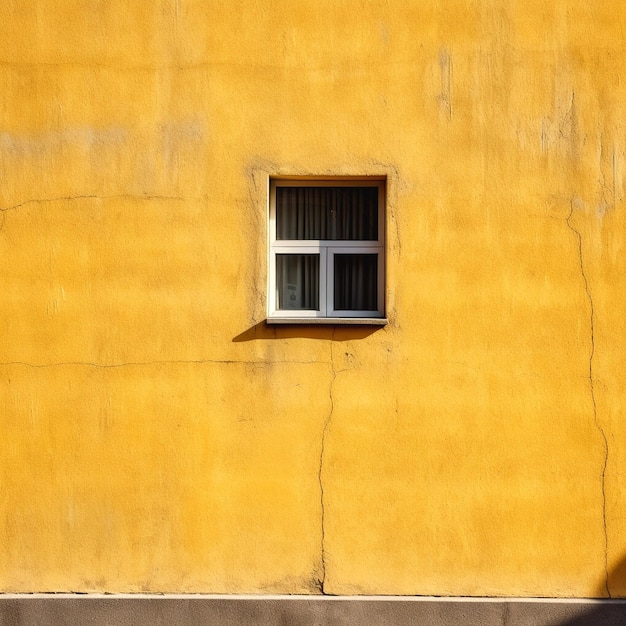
(327, 250)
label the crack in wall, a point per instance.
(15, 207)
(90, 197)
(506, 610)
(321, 579)
(151, 363)
(593, 394)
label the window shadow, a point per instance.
(329, 332)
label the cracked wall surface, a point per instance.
(159, 437)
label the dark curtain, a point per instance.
(355, 282)
(327, 213)
(298, 281)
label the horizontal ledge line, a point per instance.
(306, 598)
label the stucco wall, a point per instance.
(158, 436)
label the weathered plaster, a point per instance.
(159, 436)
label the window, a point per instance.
(326, 250)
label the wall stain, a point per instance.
(445, 94)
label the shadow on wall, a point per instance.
(263, 330)
(607, 612)
(617, 580)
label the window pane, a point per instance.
(356, 281)
(330, 213)
(298, 282)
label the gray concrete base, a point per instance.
(191, 610)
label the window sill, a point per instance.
(335, 321)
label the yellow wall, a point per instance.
(158, 436)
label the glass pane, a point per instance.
(356, 282)
(330, 213)
(298, 282)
